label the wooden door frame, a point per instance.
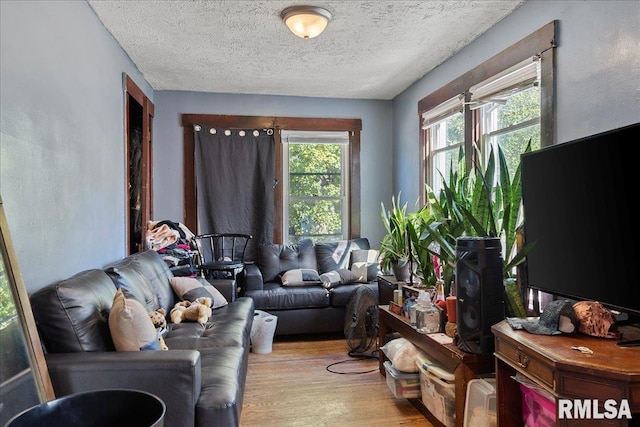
(353, 126)
(132, 91)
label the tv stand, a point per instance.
(610, 372)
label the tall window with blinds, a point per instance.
(445, 136)
(315, 166)
(504, 111)
(509, 111)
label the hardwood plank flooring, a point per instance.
(291, 387)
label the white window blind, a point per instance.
(442, 111)
(314, 137)
(501, 86)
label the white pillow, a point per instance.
(130, 326)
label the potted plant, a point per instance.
(394, 247)
(422, 246)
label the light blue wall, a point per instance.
(375, 152)
(597, 74)
(62, 138)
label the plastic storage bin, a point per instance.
(538, 410)
(402, 384)
(438, 390)
(480, 403)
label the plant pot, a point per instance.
(401, 273)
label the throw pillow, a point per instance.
(342, 276)
(364, 263)
(130, 325)
(300, 277)
(190, 289)
(335, 255)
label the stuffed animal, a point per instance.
(160, 322)
(195, 311)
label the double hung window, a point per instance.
(316, 183)
(445, 136)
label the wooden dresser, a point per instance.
(611, 372)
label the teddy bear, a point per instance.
(160, 322)
(195, 311)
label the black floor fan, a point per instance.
(361, 322)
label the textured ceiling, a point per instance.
(370, 50)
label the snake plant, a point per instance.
(472, 204)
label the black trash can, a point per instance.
(101, 408)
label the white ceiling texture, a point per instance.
(370, 50)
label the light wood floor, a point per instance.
(292, 387)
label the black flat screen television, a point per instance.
(579, 201)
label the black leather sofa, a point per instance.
(310, 308)
(201, 378)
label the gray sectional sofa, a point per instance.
(201, 377)
(311, 307)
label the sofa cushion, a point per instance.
(190, 288)
(224, 372)
(300, 277)
(157, 272)
(277, 297)
(131, 275)
(228, 326)
(275, 260)
(72, 314)
(130, 325)
(342, 276)
(336, 255)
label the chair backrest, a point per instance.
(222, 246)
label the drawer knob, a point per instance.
(523, 360)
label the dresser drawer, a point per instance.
(589, 387)
(525, 361)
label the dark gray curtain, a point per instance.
(235, 172)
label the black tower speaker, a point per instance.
(479, 292)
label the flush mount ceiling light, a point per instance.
(306, 22)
